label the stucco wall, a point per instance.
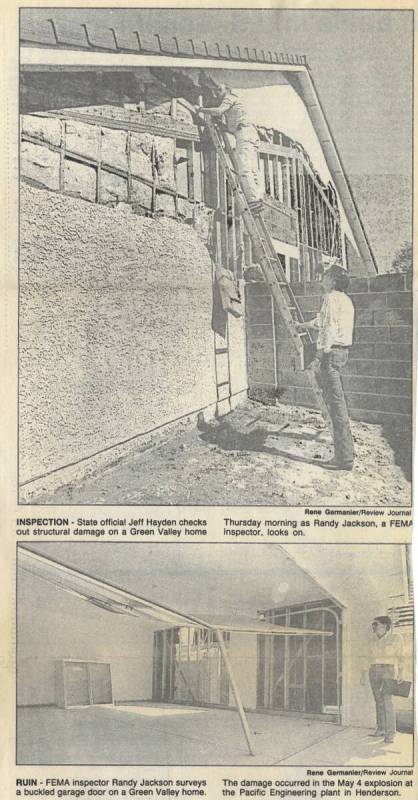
(53, 625)
(115, 328)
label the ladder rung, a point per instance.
(271, 267)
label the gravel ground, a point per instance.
(245, 459)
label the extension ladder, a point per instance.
(272, 270)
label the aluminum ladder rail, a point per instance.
(272, 270)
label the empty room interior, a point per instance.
(205, 654)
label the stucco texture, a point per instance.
(115, 327)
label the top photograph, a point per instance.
(215, 257)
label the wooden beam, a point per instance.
(240, 707)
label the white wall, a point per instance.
(364, 578)
(53, 625)
(243, 657)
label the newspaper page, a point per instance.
(207, 376)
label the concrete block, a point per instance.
(263, 376)
(361, 350)
(402, 333)
(259, 311)
(390, 282)
(393, 316)
(289, 377)
(309, 304)
(257, 289)
(373, 402)
(371, 300)
(358, 285)
(260, 356)
(378, 368)
(399, 299)
(364, 317)
(359, 384)
(397, 351)
(371, 333)
(378, 417)
(261, 331)
(286, 394)
(394, 386)
(264, 394)
(305, 397)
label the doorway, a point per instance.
(302, 674)
(189, 668)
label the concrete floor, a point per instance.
(176, 735)
(246, 459)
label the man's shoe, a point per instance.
(377, 734)
(389, 739)
(336, 465)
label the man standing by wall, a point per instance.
(385, 664)
(247, 141)
(335, 324)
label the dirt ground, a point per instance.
(249, 458)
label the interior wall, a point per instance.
(367, 580)
(54, 625)
(115, 328)
(243, 657)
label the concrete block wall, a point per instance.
(378, 377)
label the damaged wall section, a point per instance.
(115, 328)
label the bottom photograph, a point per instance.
(214, 654)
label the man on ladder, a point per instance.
(247, 141)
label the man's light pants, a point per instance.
(385, 712)
(331, 367)
(246, 154)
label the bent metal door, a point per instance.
(77, 683)
(100, 683)
(87, 683)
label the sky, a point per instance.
(361, 62)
